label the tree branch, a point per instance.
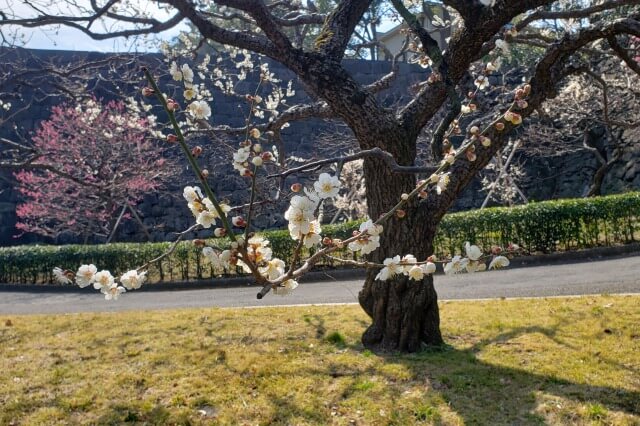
(336, 32)
(374, 152)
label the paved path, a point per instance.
(596, 277)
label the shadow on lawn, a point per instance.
(483, 393)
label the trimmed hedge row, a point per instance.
(537, 227)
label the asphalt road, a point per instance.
(595, 277)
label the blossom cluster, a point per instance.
(472, 262)
(103, 280)
(254, 254)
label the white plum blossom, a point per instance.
(206, 219)
(240, 158)
(391, 268)
(429, 268)
(211, 257)
(200, 110)
(416, 273)
(103, 280)
(300, 214)
(86, 275)
(273, 269)
(499, 262)
(132, 280)
(259, 250)
(457, 264)
(286, 287)
(408, 261)
(473, 252)
(192, 193)
(60, 276)
(175, 71)
(481, 82)
(187, 73)
(313, 237)
(113, 291)
(369, 239)
(475, 266)
(327, 186)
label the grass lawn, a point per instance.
(510, 362)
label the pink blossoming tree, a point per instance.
(90, 163)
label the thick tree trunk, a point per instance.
(404, 313)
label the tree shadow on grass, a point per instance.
(486, 393)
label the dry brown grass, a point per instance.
(538, 361)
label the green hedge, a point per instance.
(537, 227)
(545, 226)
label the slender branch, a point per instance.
(569, 14)
(373, 152)
(172, 248)
(192, 161)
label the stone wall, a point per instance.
(166, 213)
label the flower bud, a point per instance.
(172, 105)
(423, 194)
(327, 241)
(474, 130)
(267, 156)
(450, 158)
(434, 178)
(199, 243)
(257, 148)
(257, 161)
(355, 233)
(527, 89)
(485, 141)
(472, 107)
(247, 172)
(171, 138)
(338, 243)
(404, 197)
(520, 93)
(471, 156)
(257, 99)
(219, 232)
(196, 151)
(508, 116)
(400, 213)
(296, 187)
(254, 133)
(238, 222)
(522, 104)
(204, 173)
(496, 250)
(432, 258)
(500, 126)
(471, 95)
(516, 119)
(148, 91)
